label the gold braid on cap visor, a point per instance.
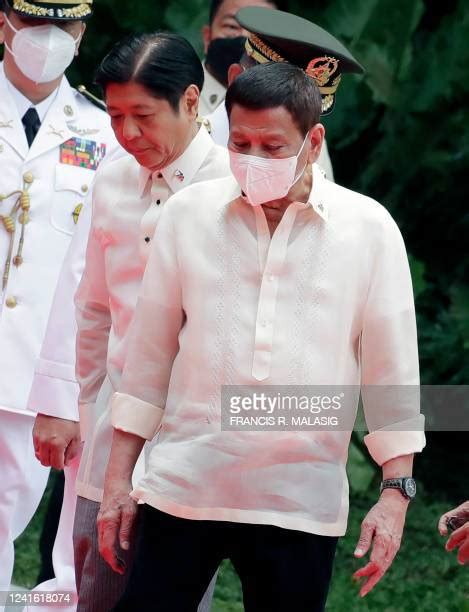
(262, 53)
(76, 12)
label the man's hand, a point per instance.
(382, 529)
(460, 537)
(56, 441)
(115, 522)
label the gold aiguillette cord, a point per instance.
(23, 204)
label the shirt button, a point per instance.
(158, 202)
(11, 302)
(271, 278)
(159, 175)
(147, 239)
(84, 188)
(28, 178)
(264, 323)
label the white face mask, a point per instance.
(263, 179)
(42, 53)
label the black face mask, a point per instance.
(221, 53)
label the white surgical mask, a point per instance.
(264, 179)
(42, 53)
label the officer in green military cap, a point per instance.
(283, 37)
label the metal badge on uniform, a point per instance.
(76, 213)
(82, 153)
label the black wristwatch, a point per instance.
(406, 486)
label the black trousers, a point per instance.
(280, 569)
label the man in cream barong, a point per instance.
(281, 278)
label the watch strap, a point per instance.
(392, 483)
(397, 483)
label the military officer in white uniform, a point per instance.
(276, 36)
(223, 39)
(52, 141)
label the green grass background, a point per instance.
(423, 578)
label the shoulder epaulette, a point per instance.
(96, 101)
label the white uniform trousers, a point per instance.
(23, 481)
(62, 553)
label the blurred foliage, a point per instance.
(401, 135)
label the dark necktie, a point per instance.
(31, 123)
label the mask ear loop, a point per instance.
(12, 27)
(80, 36)
(297, 157)
(10, 51)
(78, 41)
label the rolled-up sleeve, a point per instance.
(138, 407)
(135, 416)
(389, 353)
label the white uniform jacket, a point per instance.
(57, 172)
(212, 94)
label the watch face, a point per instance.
(410, 487)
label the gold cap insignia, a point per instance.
(320, 69)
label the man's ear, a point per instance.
(206, 37)
(191, 101)
(316, 139)
(233, 72)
